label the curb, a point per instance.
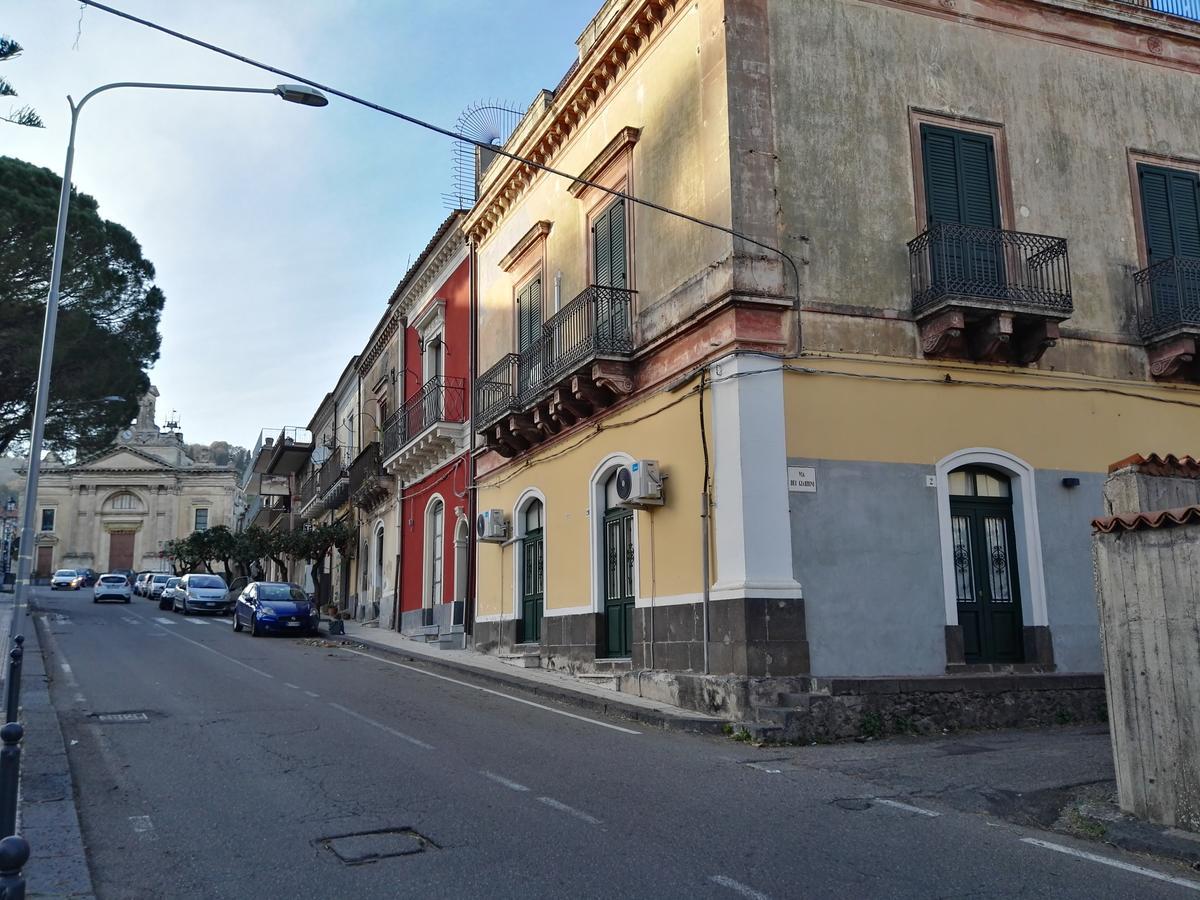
(49, 818)
(613, 707)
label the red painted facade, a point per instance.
(449, 482)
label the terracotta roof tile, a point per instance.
(1165, 518)
(1170, 465)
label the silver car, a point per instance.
(156, 584)
(201, 593)
(66, 580)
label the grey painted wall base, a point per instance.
(494, 637)
(572, 643)
(1038, 652)
(446, 622)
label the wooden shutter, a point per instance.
(960, 177)
(529, 314)
(610, 261)
(1170, 212)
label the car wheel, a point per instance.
(186, 612)
(126, 599)
(237, 623)
(254, 632)
(95, 599)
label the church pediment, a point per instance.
(123, 458)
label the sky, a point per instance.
(277, 231)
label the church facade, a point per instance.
(117, 508)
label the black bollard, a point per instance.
(12, 691)
(10, 776)
(14, 853)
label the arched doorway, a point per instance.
(533, 572)
(617, 556)
(435, 545)
(377, 587)
(984, 558)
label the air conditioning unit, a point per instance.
(639, 484)
(491, 526)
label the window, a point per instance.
(124, 502)
(201, 520)
(434, 552)
(1170, 212)
(960, 177)
(529, 314)
(47, 520)
(610, 259)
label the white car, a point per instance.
(198, 592)
(66, 580)
(112, 587)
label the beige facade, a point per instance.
(117, 508)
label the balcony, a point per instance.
(333, 481)
(310, 496)
(369, 484)
(577, 366)
(428, 430)
(987, 294)
(1185, 9)
(1168, 312)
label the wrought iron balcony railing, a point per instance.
(368, 481)
(309, 488)
(1185, 9)
(598, 322)
(1168, 297)
(332, 471)
(393, 436)
(496, 390)
(971, 265)
(441, 399)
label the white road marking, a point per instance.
(161, 620)
(236, 662)
(142, 826)
(195, 621)
(66, 668)
(907, 807)
(130, 620)
(745, 890)
(762, 767)
(475, 687)
(569, 810)
(312, 693)
(1115, 863)
(294, 687)
(500, 779)
(381, 726)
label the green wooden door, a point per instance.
(960, 189)
(533, 586)
(985, 567)
(1171, 223)
(618, 582)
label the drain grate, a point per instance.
(122, 717)
(369, 846)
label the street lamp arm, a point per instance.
(155, 85)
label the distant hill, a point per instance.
(223, 454)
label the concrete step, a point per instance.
(614, 666)
(522, 660)
(774, 715)
(451, 642)
(599, 679)
(760, 731)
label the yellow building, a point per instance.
(985, 295)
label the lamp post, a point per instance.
(293, 93)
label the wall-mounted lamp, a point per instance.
(1070, 482)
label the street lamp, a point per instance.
(293, 93)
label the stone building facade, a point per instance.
(117, 508)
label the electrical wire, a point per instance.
(458, 136)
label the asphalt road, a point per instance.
(256, 755)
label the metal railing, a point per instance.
(496, 390)
(1030, 272)
(440, 399)
(1185, 9)
(332, 471)
(366, 469)
(1168, 296)
(309, 488)
(14, 849)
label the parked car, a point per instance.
(166, 600)
(275, 606)
(236, 587)
(197, 592)
(66, 580)
(112, 586)
(129, 574)
(89, 577)
(156, 584)
(140, 583)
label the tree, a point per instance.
(221, 544)
(22, 115)
(108, 316)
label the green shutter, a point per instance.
(960, 177)
(601, 251)
(529, 314)
(610, 262)
(1185, 214)
(1170, 212)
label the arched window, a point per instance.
(435, 545)
(461, 544)
(378, 586)
(123, 501)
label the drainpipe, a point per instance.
(472, 504)
(704, 525)
(558, 290)
(401, 375)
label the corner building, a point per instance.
(993, 213)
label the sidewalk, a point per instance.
(544, 683)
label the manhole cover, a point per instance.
(123, 717)
(368, 846)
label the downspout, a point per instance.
(704, 525)
(401, 372)
(472, 363)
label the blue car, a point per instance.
(274, 606)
